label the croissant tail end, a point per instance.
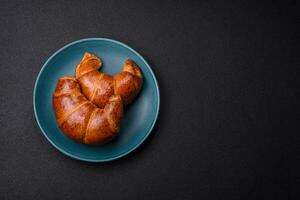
(88, 55)
(131, 67)
(88, 63)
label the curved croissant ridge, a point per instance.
(80, 119)
(98, 86)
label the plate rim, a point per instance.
(87, 159)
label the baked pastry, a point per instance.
(98, 87)
(80, 119)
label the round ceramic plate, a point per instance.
(140, 116)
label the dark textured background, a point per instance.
(229, 107)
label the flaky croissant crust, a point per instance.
(98, 86)
(89, 108)
(80, 119)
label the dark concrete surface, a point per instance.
(228, 126)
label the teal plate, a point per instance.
(140, 116)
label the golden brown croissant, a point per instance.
(80, 119)
(99, 87)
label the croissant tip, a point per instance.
(129, 62)
(88, 63)
(131, 67)
(87, 55)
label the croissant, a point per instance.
(80, 119)
(98, 87)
